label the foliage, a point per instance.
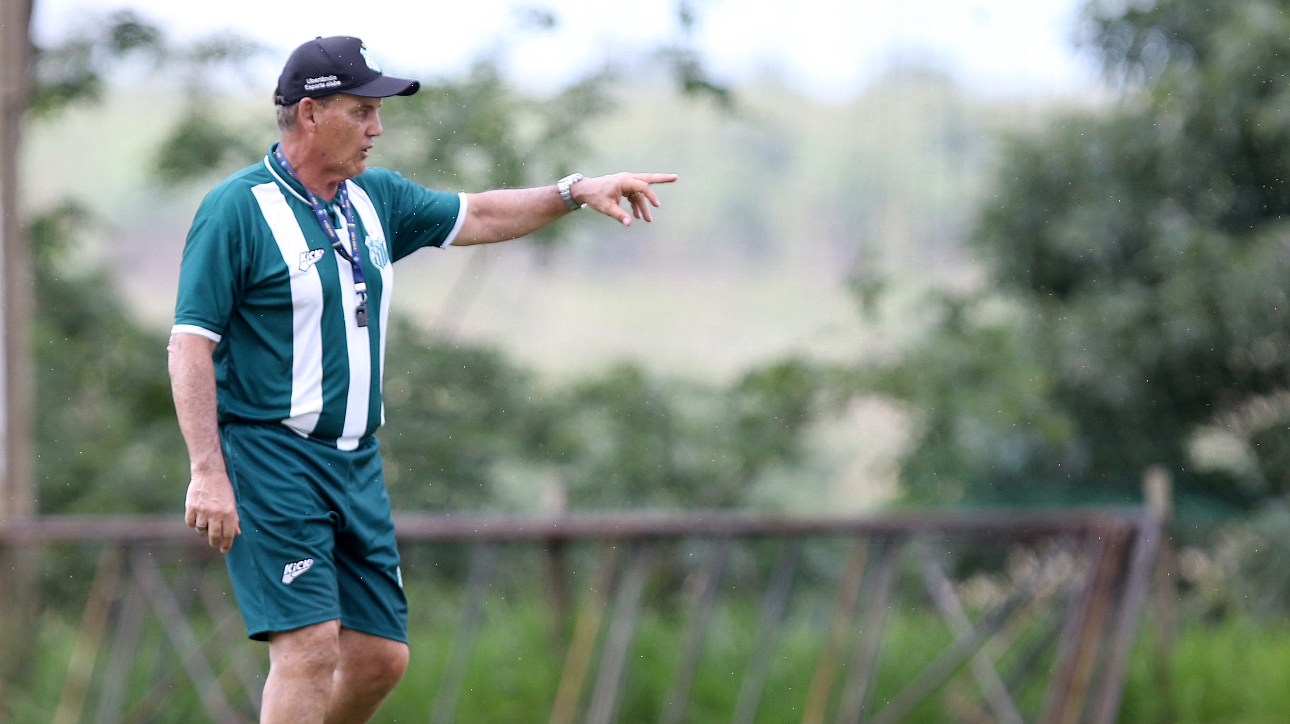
(455, 412)
(73, 71)
(687, 64)
(1140, 260)
(626, 440)
(105, 432)
(1219, 673)
(479, 133)
(200, 141)
(1242, 570)
(76, 71)
(983, 401)
(460, 414)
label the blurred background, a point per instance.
(943, 253)
(834, 159)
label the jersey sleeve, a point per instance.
(416, 216)
(211, 274)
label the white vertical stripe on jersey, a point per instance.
(360, 354)
(306, 317)
(372, 223)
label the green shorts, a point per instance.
(317, 539)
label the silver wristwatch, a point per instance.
(564, 185)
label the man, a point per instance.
(276, 359)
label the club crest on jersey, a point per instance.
(311, 257)
(377, 252)
(370, 63)
(293, 570)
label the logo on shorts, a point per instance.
(311, 257)
(293, 570)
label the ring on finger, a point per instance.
(201, 528)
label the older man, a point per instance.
(276, 359)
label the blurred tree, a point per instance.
(457, 412)
(1139, 261)
(631, 441)
(460, 414)
(686, 61)
(106, 437)
(479, 132)
(75, 72)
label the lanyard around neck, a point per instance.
(320, 213)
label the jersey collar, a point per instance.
(284, 179)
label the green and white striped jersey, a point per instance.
(260, 279)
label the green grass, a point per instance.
(515, 671)
(1232, 672)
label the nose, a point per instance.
(375, 128)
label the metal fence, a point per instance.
(1050, 644)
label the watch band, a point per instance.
(566, 194)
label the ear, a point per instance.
(307, 114)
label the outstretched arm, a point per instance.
(511, 213)
(210, 506)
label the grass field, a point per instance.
(1233, 671)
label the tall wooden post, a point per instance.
(1159, 498)
(17, 499)
(17, 495)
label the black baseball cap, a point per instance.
(339, 64)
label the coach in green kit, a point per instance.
(276, 359)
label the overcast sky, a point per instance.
(828, 48)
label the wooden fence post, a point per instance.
(16, 498)
(1137, 585)
(1164, 599)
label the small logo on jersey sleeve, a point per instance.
(311, 257)
(378, 252)
(293, 570)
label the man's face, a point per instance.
(347, 127)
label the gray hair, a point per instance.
(287, 114)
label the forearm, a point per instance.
(512, 213)
(192, 383)
(509, 214)
(210, 506)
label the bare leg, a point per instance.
(301, 666)
(368, 668)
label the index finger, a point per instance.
(655, 178)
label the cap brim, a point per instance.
(383, 86)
